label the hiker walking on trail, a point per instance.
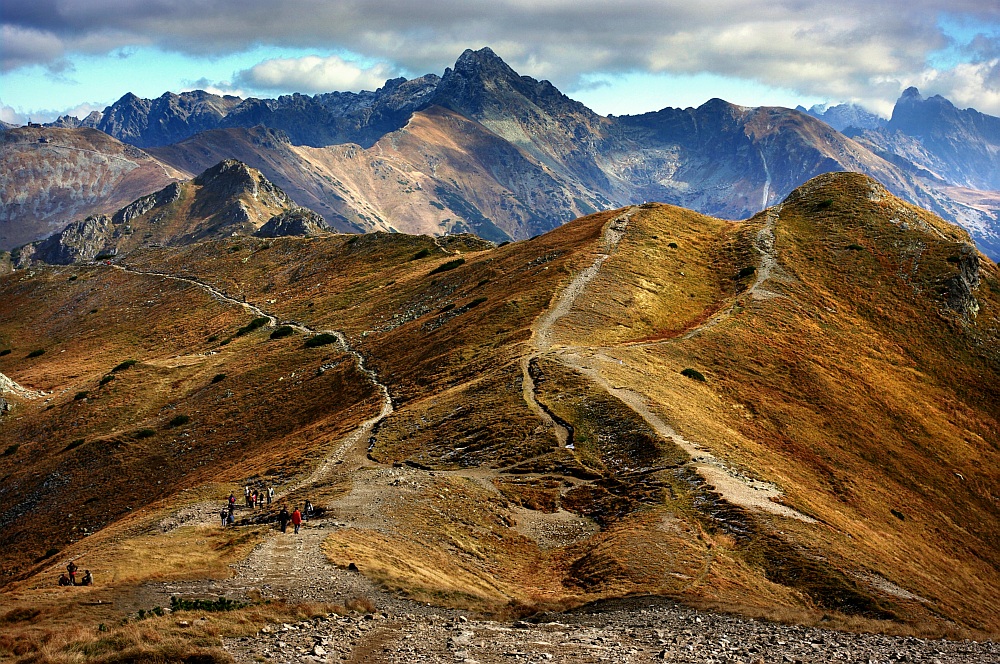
(270, 495)
(71, 568)
(284, 518)
(232, 501)
(296, 519)
(308, 511)
(224, 515)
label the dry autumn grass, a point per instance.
(850, 385)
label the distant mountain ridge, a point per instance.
(484, 149)
(229, 199)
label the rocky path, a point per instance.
(634, 630)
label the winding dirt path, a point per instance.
(731, 485)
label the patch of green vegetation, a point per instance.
(37, 353)
(423, 253)
(449, 265)
(221, 604)
(282, 332)
(218, 378)
(5, 351)
(321, 340)
(81, 395)
(746, 272)
(127, 364)
(74, 278)
(254, 324)
(822, 205)
(107, 379)
(855, 247)
(178, 421)
(693, 374)
(672, 245)
(212, 338)
(11, 449)
(93, 311)
(144, 433)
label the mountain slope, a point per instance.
(50, 177)
(547, 441)
(227, 199)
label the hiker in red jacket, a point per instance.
(296, 519)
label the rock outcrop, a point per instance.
(300, 222)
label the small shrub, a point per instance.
(127, 364)
(74, 278)
(447, 307)
(218, 378)
(321, 340)
(73, 445)
(746, 272)
(693, 374)
(144, 433)
(450, 265)
(360, 604)
(11, 449)
(954, 260)
(48, 554)
(5, 351)
(37, 353)
(81, 395)
(482, 282)
(672, 245)
(178, 421)
(855, 247)
(93, 311)
(256, 323)
(475, 303)
(282, 332)
(824, 204)
(103, 256)
(225, 342)
(221, 604)
(107, 379)
(423, 253)
(212, 338)
(899, 515)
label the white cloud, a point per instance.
(313, 74)
(847, 50)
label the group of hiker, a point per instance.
(71, 580)
(255, 498)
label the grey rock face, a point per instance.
(960, 287)
(80, 241)
(300, 222)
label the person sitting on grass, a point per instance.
(88, 579)
(64, 580)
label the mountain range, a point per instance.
(482, 149)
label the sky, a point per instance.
(627, 56)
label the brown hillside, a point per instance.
(52, 176)
(838, 458)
